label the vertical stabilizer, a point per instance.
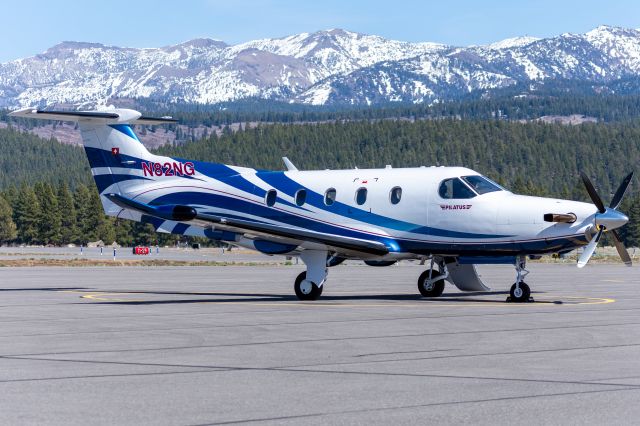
(118, 160)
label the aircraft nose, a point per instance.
(612, 219)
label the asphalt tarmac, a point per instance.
(219, 345)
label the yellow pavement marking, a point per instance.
(454, 302)
(98, 296)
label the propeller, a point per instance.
(589, 249)
(606, 218)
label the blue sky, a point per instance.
(30, 27)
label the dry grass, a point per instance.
(78, 262)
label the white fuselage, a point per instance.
(422, 222)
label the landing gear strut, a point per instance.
(309, 284)
(431, 283)
(520, 291)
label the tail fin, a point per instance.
(117, 158)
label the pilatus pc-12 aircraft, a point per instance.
(451, 217)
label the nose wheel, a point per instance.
(520, 293)
(306, 289)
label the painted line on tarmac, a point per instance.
(454, 302)
(99, 296)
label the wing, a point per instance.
(252, 228)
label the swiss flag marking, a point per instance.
(364, 181)
(115, 151)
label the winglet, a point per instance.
(290, 166)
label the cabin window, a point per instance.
(361, 196)
(330, 196)
(301, 197)
(481, 184)
(395, 195)
(271, 196)
(455, 188)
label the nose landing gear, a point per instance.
(520, 291)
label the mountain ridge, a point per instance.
(329, 67)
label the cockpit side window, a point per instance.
(481, 184)
(455, 188)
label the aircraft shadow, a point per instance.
(45, 289)
(234, 297)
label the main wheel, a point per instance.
(305, 289)
(521, 294)
(433, 289)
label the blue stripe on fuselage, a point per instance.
(251, 208)
(283, 183)
(180, 228)
(101, 158)
(503, 248)
(104, 181)
(156, 222)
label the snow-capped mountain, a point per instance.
(325, 67)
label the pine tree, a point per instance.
(106, 229)
(68, 226)
(124, 232)
(93, 223)
(86, 226)
(143, 233)
(25, 215)
(7, 226)
(49, 217)
(10, 194)
(631, 232)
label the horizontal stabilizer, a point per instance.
(116, 115)
(152, 121)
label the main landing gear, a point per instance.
(309, 284)
(431, 282)
(520, 291)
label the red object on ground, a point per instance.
(141, 250)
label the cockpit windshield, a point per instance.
(454, 188)
(481, 184)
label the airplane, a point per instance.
(452, 217)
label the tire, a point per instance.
(435, 289)
(315, 290)
(522, 296)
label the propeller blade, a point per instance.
(592, 193)
(617, 199)
(589, 249)
(622, 251)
